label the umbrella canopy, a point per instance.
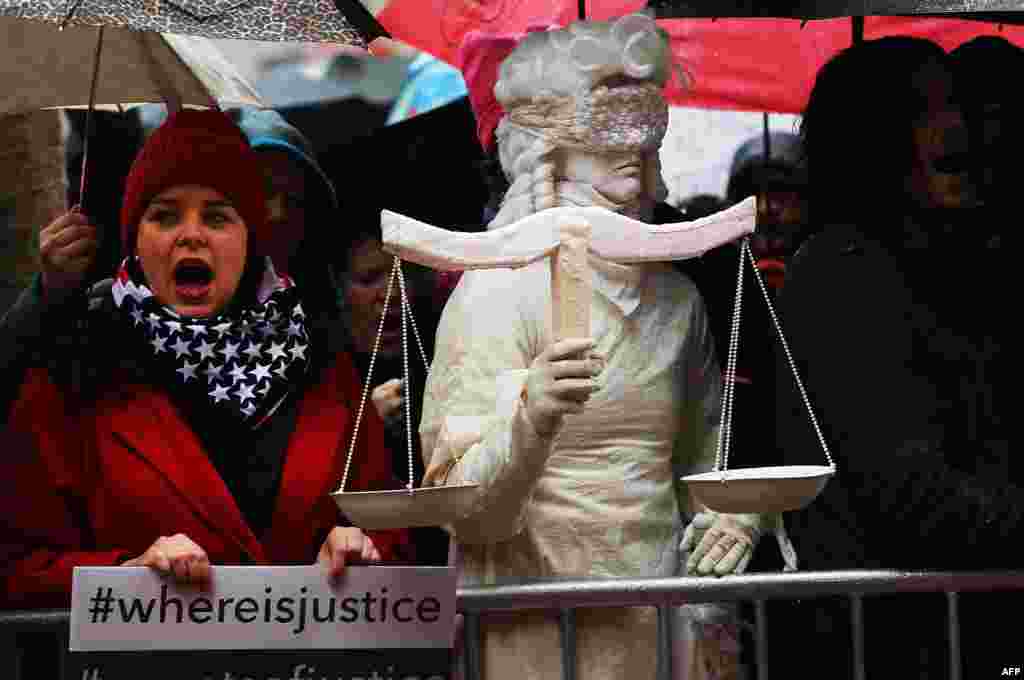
(430, 83)
(308, 83)
(427, 167)
(42, 67)
(277, 20)
(336, 99)
(751, 64)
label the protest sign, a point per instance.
(263, 623)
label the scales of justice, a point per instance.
(567, 236)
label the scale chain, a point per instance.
(791, 361)
(728, 391)
(406, 386)
(407, 317)
(728, 395)
(407, 309)
(407, 399)
(369, 376)
(734, 359)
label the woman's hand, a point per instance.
(67, 248)
(177, 556)
(388, 398)
(560, 381)
(346, 545)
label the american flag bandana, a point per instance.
(244, 362)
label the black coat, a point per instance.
(903, 346)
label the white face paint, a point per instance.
(619, 176)
(623, 178)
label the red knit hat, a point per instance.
(204, 148)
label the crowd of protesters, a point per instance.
(200, 333)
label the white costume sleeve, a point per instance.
(471, 430)
(702, 405)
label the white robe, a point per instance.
(600, 499)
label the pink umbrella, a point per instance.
(760, 64)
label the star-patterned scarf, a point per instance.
(244, 361)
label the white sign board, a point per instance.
(135, 609)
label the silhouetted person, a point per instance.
(890, 315)
(993, 109)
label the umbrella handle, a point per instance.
(361, 19)
(173, 104)
(88, 120)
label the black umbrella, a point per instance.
(334, 100)
(427, 167)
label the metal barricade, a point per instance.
(14, 624)
(662, 593)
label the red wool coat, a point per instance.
(99, 486)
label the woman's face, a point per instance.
(939, 176)
(192, 247)
(365, 290)
(286, 205)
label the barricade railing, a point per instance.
(565, 596)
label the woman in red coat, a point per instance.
(217, 417)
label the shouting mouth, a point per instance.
(193, 279)
(953, 163)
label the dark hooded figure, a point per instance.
(777, 174)
(993, 110)
(364, 273)
(890, 314)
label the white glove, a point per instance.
(560, 382)
(721, 544)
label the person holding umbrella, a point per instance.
(209, 391)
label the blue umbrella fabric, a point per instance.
(301, 84)
(430, 83)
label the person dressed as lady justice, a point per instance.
(577, 445)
